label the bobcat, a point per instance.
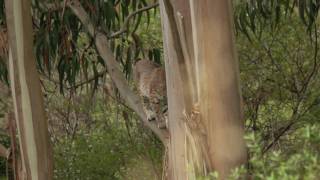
(151, 82)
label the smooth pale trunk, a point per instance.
(27, 96)
(219, 89)
(176, 152)
(208, 38)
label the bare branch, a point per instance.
(124, 28)
(79, 84)
(282, 130)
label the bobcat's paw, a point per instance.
(162, 122)
(151, 116)
(162, 125)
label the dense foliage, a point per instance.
(105, 143)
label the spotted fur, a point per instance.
(151, 82)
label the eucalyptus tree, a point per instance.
(36, 153)
(205, 110)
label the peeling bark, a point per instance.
(206, 126)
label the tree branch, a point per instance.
(79, 84)
(114, 70)
(3, 151)
(277, 138)
(124, 28)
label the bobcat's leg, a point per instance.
(162, 122)
(151, 115)
(157, 108)
(163, 118)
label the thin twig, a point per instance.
(124, 28)
(100, 74)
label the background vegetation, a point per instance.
(96, 136)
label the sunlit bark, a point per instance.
(32, 126)
(205, 123)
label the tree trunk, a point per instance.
(205, 115)
(36, 154)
